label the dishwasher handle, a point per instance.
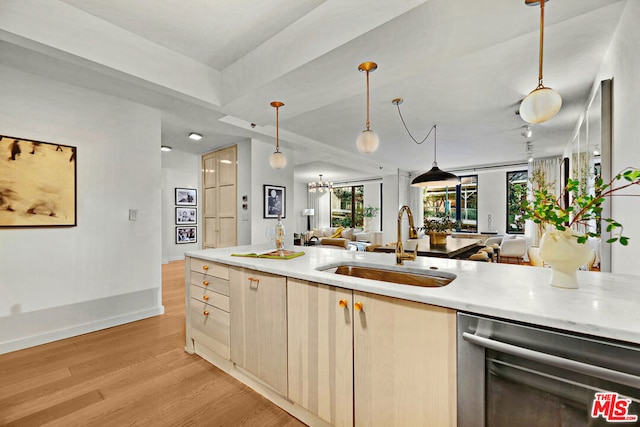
(559, 362)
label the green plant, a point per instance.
(547, 210)
(370, 212)
(441, 225)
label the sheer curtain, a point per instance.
(313, 202)
(550, 169)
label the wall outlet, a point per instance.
(133, 214)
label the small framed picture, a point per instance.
(186, 216)
(274, 201)
(186, 235)
(186, 197)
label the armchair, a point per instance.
(513, 248)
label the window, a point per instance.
(516, 194)
(458, 203)
(346, 206)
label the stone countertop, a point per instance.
(605, 305)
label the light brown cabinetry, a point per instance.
(219, 198)
(320, 324)
(207, 302)
(259, 325)
(403, 365)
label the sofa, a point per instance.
(337, 237)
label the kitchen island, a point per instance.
(313, 341)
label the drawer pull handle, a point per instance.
(205, 283)
(358, 306)
(206, 297)
(342, 303)
(206, 312)
(205, 267)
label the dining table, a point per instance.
(456, 247)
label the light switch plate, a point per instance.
(133, 214)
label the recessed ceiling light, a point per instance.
(165, 148)
(195, 136)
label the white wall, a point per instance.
(622, 62)
(300, 191)
(179, 170)
(372, 198)
(65, 281)
(262, 174)
(244, 189)
(391, 203)
(492, 200)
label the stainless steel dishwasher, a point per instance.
(512, 374)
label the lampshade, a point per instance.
(435, 177)
(278, 160)
(308, 212)
(367, 141)
(542, 104)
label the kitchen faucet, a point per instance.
(413, 234)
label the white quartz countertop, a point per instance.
(605, 305)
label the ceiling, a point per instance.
(461, 64)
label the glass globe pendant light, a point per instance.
(542, 103)
(367, 141)
(277, 159)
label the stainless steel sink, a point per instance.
(423, 278)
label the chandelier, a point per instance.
(320, 186)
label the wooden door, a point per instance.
(404, 363)
(258, 305)
(320, 350)
(219, 177)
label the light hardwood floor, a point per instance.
(134, 374)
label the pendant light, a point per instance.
(542, 103)
(277, 160)
(320, 186)
(367, 141)
(435, 177)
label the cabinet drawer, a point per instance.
(214, 325)
(214, 284)
(209, 297)
(210, 268)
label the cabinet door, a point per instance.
(321, 350)
(219, 198)
(404, 363)
(258, 304)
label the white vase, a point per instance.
(562, 252)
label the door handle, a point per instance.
(550, 359)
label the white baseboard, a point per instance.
(24, 330)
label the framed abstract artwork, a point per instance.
(37, 183)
